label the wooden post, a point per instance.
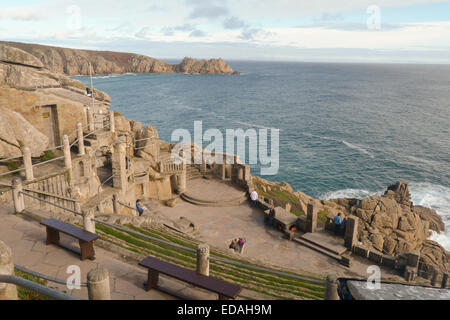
(81, 150)
(19, 203)
(203, 259)
(7, 291)
(27, 163)
(98, 284)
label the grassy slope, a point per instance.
(279, 287)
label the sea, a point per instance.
(345, 130)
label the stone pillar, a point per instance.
(67, 155)
(90, 114)
(222, 174)
(311, 218)
(115, 204)
(19, 203)
(413, 259)
(444, 283)
(435, 278)
(78, 206)
(119, 167)
(203, 259)
(81, 150)
(331, 290)
(351, 233)
(88, 224)
(240, 174)
(7, 291)
(182, 180)
(112, 123)
(98, 284)
(247, 173)
(27, 163)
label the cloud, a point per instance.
(25, 13)
(252, 33)
(233, 23)
(197, 34)
(207, 9)
(143, 33)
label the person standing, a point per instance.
(337, 223)
(254, 198)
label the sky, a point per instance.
(388, 31)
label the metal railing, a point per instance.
(45, 277)
(21, 158)
(36, 287)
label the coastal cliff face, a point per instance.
(76, 62)
(27, 90)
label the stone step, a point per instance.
(205, 203)
(317, 248)
(324, 242)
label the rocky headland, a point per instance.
(390, 224)
(74, 62)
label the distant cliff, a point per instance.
(76, 62)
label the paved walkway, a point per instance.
(27, 241)
(212, 190)
(218, 226)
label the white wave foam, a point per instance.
(358, 148)
(441, 238)
(347, 193)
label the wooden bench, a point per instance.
(155, 266)
(86, 239)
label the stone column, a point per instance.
(19, 203)
(247, 173)
(112, 123)
(203, 164)
(67, 155)
(7, 291)
(203, 259)
(444, 283)
(90, 114)
(98, 284)
(331, 290)
(435, 278)
(413, 259)
(88, 224)
(311, 218)
(351, 233)
(81, 150)
(119, 167)
(115, 204)
(27, 163)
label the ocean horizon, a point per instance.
(346, 129)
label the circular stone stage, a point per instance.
(213, 193)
